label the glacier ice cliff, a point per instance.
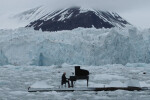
(83, 46)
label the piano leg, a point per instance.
(72, 84)
(87, 82)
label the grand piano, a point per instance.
(80, 74)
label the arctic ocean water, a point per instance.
(15, 80)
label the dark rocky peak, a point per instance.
(74, 17)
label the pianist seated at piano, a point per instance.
(65, 80)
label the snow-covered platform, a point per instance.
(131, 85)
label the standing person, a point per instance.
(64, 80)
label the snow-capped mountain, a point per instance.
(17, 19)
(71, 18)
(31, 14)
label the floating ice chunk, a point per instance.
(18, 92)
(144, 84)
(117, 84)
(133, 83)
(40, 84)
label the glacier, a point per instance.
(82, 46)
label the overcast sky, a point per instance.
(136, 12)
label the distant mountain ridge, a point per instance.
(71, 18)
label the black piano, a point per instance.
(80, 74)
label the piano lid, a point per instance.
(80, 72)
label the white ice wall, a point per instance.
(79, 46)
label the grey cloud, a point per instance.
(113, 5)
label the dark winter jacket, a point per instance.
(64, 79)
